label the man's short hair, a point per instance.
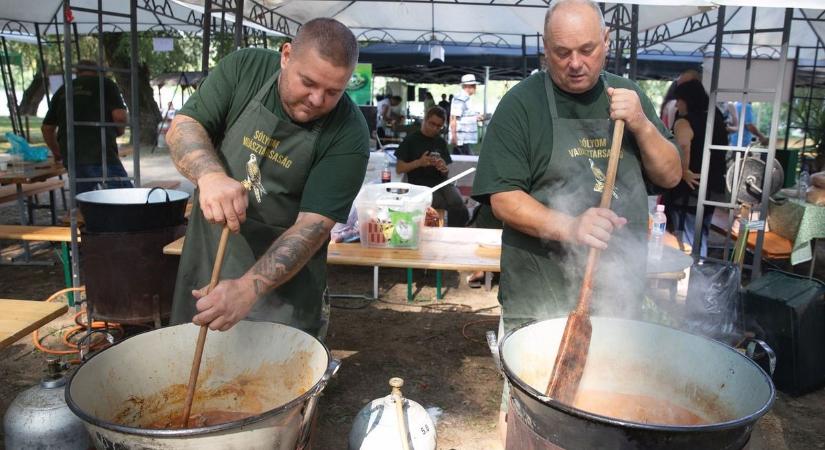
(332, 39)
(86, 62)
(436, 111)
(557, 3)
(396, 98)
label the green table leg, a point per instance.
(437, 285)
(67, 269)
(409, 286)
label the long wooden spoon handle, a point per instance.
(196, 362)
(583, 303)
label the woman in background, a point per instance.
(689, 130)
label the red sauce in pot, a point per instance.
(636, 408)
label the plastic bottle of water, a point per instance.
(386, 175)
(657, 234)
(804, 182)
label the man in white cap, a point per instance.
(463, 117)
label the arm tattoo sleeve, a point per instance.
(191, 149)
(288, 254)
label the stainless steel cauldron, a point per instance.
(637, 358)
(270, 369)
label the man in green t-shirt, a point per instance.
(542, 169)
(423, 156)
(278, 154)
(87, 139)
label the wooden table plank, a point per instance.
(20, 317)
(36, 233)
(31, 174)
(445, 248)
(440, 248)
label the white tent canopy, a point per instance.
(474, 22)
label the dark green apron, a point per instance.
(284, 153)
(542, 279)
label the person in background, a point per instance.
(543, 166)
(389, 113)
(423, 156)
(668, 110)
(692, 103)
(464, 117)
(87, 139)
(445, 104)
(750, 130)
(429, 101)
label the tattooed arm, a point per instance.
(231, 300)
(222, 199)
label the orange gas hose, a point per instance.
(73, 330)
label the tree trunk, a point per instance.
(114, 45)
(32, 96)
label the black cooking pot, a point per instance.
(132, 209)
(720, 385)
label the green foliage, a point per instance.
(809, 116)
(655, 90)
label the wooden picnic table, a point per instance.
(27, 175)
(440, 248)
(443, 248)
(21, 317)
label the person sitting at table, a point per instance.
(88, 162)
(423, 156)
(692, 104)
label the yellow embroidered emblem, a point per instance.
(598, 175)
(253, 178)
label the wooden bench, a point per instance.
(8, 194)
(21, 317)
(36, 233)
(774, 246)
(165, 184)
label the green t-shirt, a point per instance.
(341, 151)
(413, 146)
(86, 109)
(519, 140)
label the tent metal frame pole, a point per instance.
(11, 95)
(206, 32)
(44, 71)
(809, 103)
(68, 89)
(767, 178)
(524, 56)
(634, 40)
(791, 99)
(135, 88)
(239, 17)
(101, 96)
(703, 178)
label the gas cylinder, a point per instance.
(392, 422)
(39, 418)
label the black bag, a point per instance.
(790, 313)
(713, 303)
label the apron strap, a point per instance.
(551, 97)
(267, 86)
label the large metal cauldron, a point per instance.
(637, 358)
(131, 209)
(270, 369)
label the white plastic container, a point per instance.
(391, 215)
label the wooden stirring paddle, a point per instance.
(575, 342)
(196, 363)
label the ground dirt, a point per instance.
(438, 349)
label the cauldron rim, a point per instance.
(185, 432)
(586, 415)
